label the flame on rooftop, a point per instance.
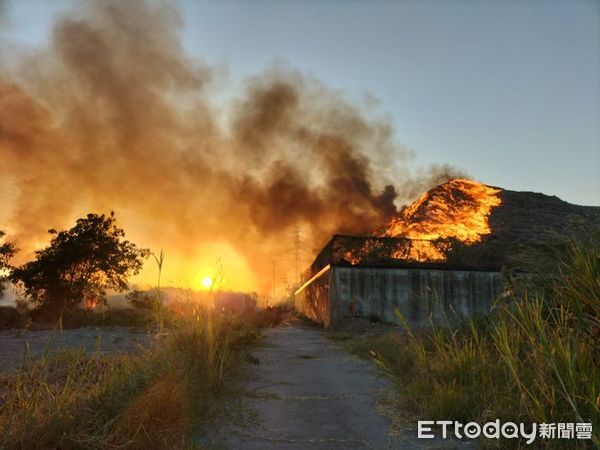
(457, 209)
(426, 231)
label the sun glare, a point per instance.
(206, 282)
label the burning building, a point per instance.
(441, 255)
(414, 264)
(340, 285)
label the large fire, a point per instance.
(426, 230)
(457, 209)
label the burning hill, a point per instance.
(486, 225)
(456, 209)
(463, 223)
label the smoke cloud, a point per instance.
(113, 115)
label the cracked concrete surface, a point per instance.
(307, 392)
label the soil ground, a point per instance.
(15, 345)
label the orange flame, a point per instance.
(457, 209)
(421, 251)
(90, 304)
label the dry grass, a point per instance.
(535, 359)
(152, 399)
(160, 417)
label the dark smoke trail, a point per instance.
(114, 115)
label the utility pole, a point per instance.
(297, 239)
(273, 262)
(284, 282)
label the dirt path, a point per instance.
(307, 392)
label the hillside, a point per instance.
(493, 226)
(530, 225)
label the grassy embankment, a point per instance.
(536, 358)
(156, 398)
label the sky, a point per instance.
(507, 91)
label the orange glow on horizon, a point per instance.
(193, 270)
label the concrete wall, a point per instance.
(417, 293)
(341, 292)
(312, 299)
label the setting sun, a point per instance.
(206, 282)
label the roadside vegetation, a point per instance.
(7, 251)
(155, 398)
(536, 358)
(164, 396)
(68, 280)
(78, 266)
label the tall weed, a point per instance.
(535, 358)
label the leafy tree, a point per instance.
(7, 251)
(80, 264)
